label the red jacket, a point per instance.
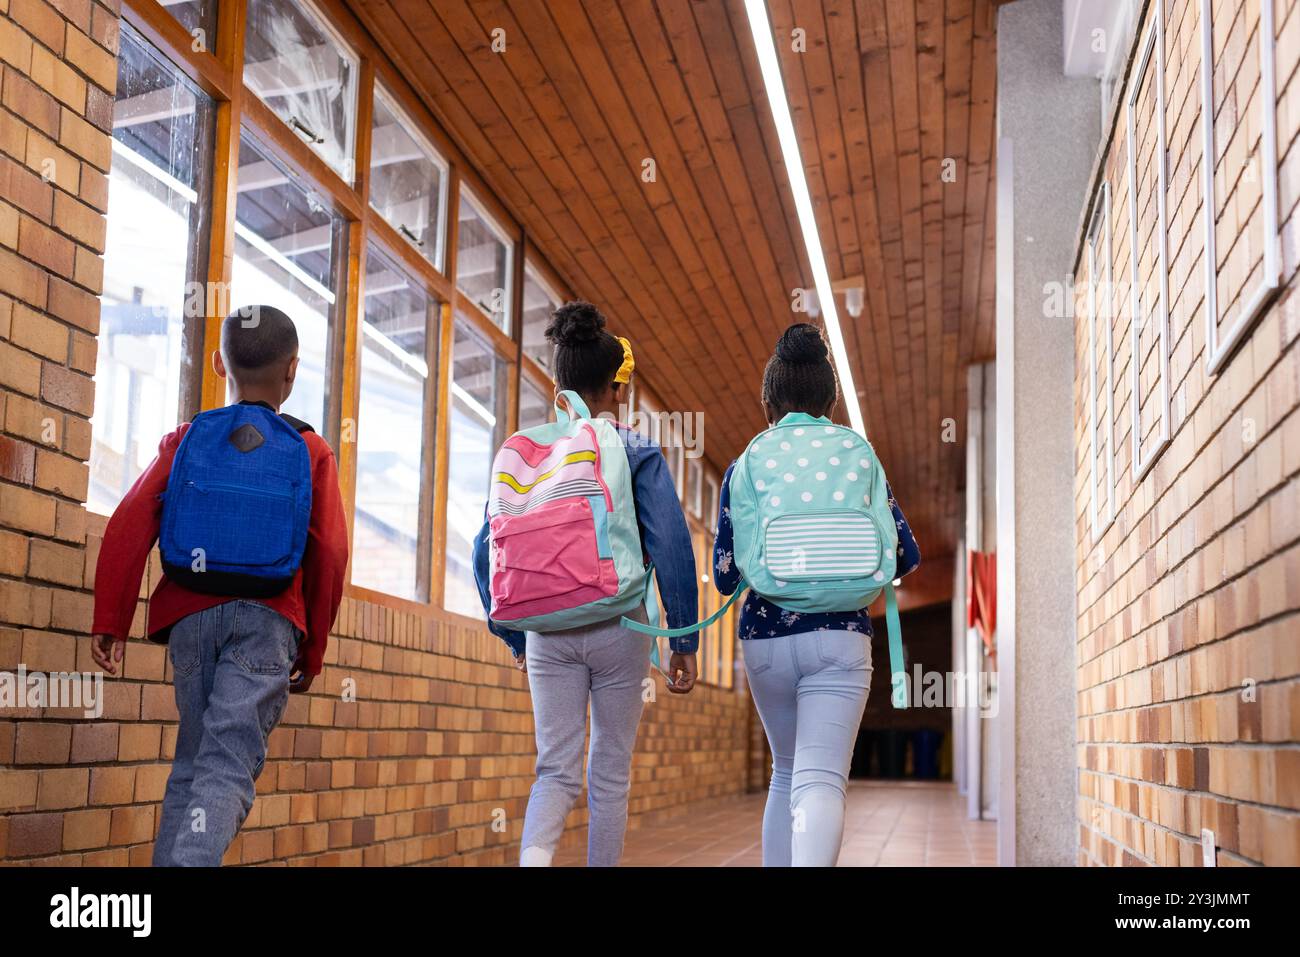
(311, 602)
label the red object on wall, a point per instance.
(982, 596)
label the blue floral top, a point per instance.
(759, 618)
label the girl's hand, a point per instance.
(682, 672)
(521, 662)
(106, 649)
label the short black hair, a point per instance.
(586, 356)
(257, 337)
(799, 377)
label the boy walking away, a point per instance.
(245, 505)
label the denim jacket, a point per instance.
(664, 537)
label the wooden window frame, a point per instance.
(1217, 353)
(413, 129)
(1152, 48)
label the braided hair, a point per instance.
(586, 356)
(799, 377)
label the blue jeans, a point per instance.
(810, 690)
(232, 665)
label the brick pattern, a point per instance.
(415, 746)
(429, 758)
(1188, 670)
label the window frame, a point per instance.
(413, 129)
(1152, 50)
(1219, 351)
(425, 563)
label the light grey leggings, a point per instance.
(606, 665)
(810, 690)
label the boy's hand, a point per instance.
(682, 672)
(106, 649)
(299, 680)
(521, 662)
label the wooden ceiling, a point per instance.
(697, 265)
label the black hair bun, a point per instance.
(802, 343)
(575, 323)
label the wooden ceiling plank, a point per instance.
(625, 204)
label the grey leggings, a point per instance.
(606, 665)
(810, 690)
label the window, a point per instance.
(478, 413)
(408, 181)
(711, 504)
(288, 252)
(1243, 261)
(534, 404)
(151, 324)
(539, 303)
(299, 68)
(484, 259)
(199, 18)
(390, 550)
(695, 487)
(1101, 367)
(1148, 251)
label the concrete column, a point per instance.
(1049, 129)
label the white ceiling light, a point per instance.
(765, 46)
(853, 300)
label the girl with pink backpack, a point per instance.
(581, 512)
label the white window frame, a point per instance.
(1154, 43)
(1099, 234)
(1218, 352)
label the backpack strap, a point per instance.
(898, 677)
(575, 403)
(678, 632)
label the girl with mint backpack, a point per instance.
(801, 512)
(581, 510)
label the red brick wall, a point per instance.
(440, 733)
(1189, 606)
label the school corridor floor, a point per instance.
(887, 824)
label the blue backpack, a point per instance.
(238, 503)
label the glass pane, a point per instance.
(149, 341)
(483, 263)
(287, 249)
(389, 533)
(539, 303)
(695, 487)
(478, 393)
(408, 182)
(199, 17)
(301, 70)
(535, 406)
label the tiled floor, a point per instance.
(887, 824)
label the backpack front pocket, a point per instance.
(236, 525)
(822, 546)
(545, 560)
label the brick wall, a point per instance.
(1189, 605)
(439, 735)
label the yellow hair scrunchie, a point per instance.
(624, 373)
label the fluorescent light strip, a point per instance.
(765, 46)
(156, 171)
(420, 367)
(283, 261)
(473, 404)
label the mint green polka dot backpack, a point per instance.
(813, 528)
